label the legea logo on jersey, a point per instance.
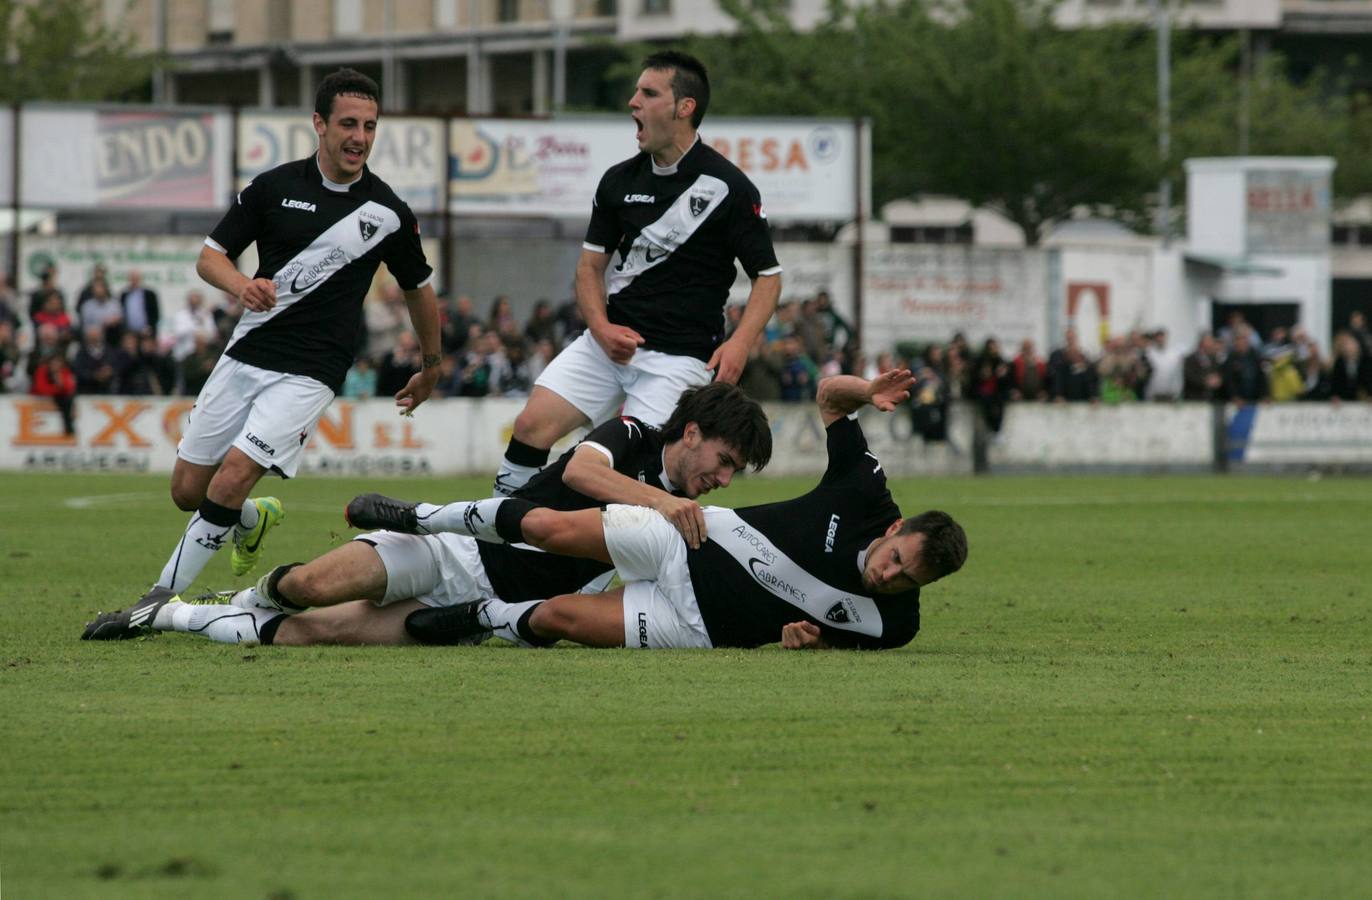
(298, 204)
(829, 535)
(640, 198)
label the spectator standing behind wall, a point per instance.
(1029, 373)
(1244, 378)
(9, 302)
(142, 309)
(990, 385)
(100, 310)
(1166, 381)
(193, 322)
(1350, 377)
(1201, 375)
(53, 379)
(10, 368)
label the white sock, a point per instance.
(512, 477)
(247, 519)
(502, 617)
(474, 518)
(223, 623)
(200, 542)
(163, 620)
(251, 598)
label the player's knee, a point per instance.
(306, 586)
(534, 429)
(554, 618)
(541, 526)
(186, 498)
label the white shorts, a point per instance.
(268, 415)
(660, 609)
(436, 570)
(648, 387)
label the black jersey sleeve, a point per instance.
(404, 255)
(750, 236)
(243, 222)
(848, 452)
(900, 624)
(622, 437)
(604, 229)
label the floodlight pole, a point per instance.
(560, 11)
(1163, 27)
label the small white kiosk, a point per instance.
(1258, 242)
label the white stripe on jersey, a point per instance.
(786, 579)
(346, 240)
(658, 241)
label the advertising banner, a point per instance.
(407, 155)
(804, 171)
(1287, 211)
(1301, 434)
(927, 293)
(1071, 435)
(140, 434)
(89, 158)
(167, 265)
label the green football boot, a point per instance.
(247, 548)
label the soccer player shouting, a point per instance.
(678, 214)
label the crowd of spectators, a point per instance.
(108, 343)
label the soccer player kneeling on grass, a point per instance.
(836, 567)
(389, 587)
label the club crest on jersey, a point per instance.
(368, 224)
(837, 613)
(700, 201)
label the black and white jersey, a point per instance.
(678, 231)
(764, 567)
(519, 572)
(320, 244)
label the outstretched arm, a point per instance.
(589, 472)
(840, 395)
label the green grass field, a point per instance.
(1137, 687)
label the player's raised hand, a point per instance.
(889, 389)
(618, 341)
(416, 390)
(258, 295)
(728, 360)
(801, 636)
(686, 517)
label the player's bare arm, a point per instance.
(423, 307)
(215, 267)
(589, 472)
(729, 357)
(618, 341)
(840, 395)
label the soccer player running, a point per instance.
(322, 226)
(390, 588)
(678, 214)
(836, 567)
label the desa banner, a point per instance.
(86, 158)
(804, 170)
(407, 153)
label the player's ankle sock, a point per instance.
(163, 620)
(247, 517)
(510, 622)
(208, 529)
(226, 624)
(520, 463)
(495, 519)
(267, 594)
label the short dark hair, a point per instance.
(724, 411)
(344, 81)
(689, 79)
(945, 543)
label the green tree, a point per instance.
(986, 100)
(61, 50)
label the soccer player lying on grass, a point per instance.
(386, 587)
(837, 567)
